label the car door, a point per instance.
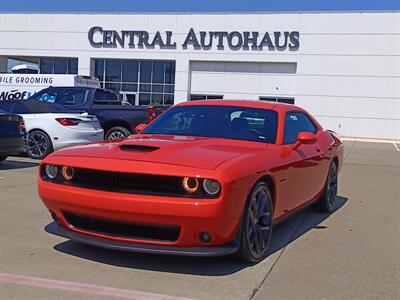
(304, 161)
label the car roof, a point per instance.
(245, 103)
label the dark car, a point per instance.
(117, 120)
(12, 135)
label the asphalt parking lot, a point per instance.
(353, 253)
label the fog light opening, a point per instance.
(205, 237)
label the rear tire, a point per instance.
(327, 200)
(39, 144)
(256, 231)
(3, 158)
(117, 133)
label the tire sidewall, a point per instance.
(120, 129)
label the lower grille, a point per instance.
(149, 232)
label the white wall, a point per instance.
(348, 64)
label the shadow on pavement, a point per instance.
(10, 164)
(284, 233)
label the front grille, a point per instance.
(148, 232)
(132, 183)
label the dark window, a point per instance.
(170, 72)
(156, 99)
(113, 70)
(229, 122)
(145, 88)
(150, 79)
(158, 72)
(144, 98)
(168, 99)
(205, 97)
(46, 66)
(145, 71)
(99, 69)
(55, 65)
(101, 97)
(277, 99)
(130, 71)
(126, 87)
(72, 66)
(75, 96)
(60, 66)
(296, 122)
(116, 87)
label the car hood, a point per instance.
(197, 152)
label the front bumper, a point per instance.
(211, 251)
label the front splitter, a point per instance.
(211, 251)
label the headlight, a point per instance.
(190, 184)
(51, 171)
(67, 172)
(211, 187)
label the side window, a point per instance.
(105, 97)
(48, 96)
(75, 96)
(296, 122)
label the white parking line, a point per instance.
(83, 288)
(1, 177)
(397, 147)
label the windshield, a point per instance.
(231, 122)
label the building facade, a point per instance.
(344, 67)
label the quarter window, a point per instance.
(296, 122)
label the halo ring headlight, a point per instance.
(190, 184)
(51, 171)
(211, 187)
(67, 172)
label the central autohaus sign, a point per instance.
(203, 40)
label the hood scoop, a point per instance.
(138, 148)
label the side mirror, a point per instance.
(306, 138)
(140, 127)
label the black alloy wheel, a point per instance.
(257, 224)
(39, 144)
(326, 202)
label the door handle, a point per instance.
(318, 150)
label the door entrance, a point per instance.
(129, 97)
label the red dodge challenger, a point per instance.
(206, 178)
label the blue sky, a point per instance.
(127, 6)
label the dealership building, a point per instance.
(342, 66)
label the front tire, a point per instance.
(327, 200)
(256, 232)
(39, 144)
(117, 133)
